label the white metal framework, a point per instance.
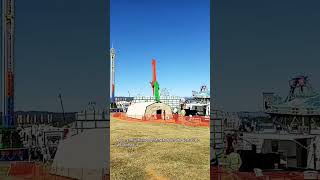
(112, 59)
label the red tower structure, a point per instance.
(154, 83)
(154, 74)
(8, 7)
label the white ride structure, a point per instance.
(292, 129)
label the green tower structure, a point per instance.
(154, 83)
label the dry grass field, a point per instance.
(159, 160)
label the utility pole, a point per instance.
(64, 119)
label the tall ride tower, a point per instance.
(154, 83)
(7, 59)
(112, 58)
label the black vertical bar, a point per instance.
(314, 156)
(64, 120)
(309, 125)
(108, 73)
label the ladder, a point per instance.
(216, 134)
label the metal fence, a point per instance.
(92, 115)
(219, 173)
(175, 119)
(37, 171)
(172, 101)
(80, 173)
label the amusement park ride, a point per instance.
(154, 83)
(112, 58)
(8, 63)
(291, 128)
(11, 139)
(7, 59)
(299, 112)
(203, 96)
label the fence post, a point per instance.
(33, 171)
(44, 171)
(81, 126)
(95, 120)
(55, 176)
(81, 173)
(102, 174)
(76, 123)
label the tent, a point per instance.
(149, 109)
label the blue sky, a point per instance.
(176, 33)
(60, 47)
(259, 46)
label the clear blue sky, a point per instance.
(260, 45)
(174, 32)
(60, 47)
